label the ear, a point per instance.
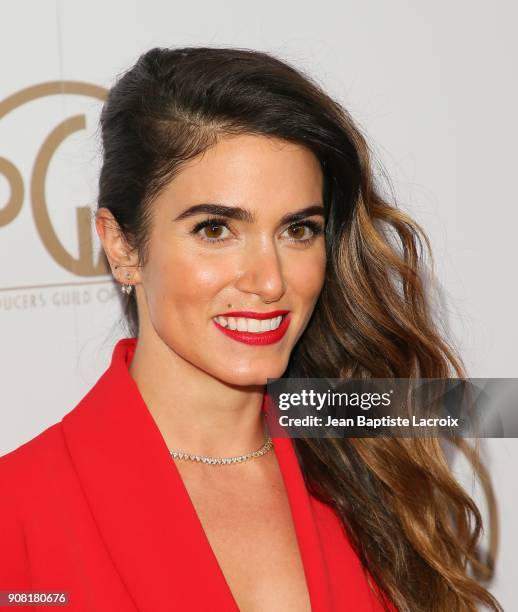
(122, 259)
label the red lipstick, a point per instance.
(256, 338)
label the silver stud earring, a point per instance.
(126, 288)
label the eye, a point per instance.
(210, 230)
(301, 235)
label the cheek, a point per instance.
(190, 280)
(307, 274)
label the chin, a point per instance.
(251, 377)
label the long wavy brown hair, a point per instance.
(413, 526)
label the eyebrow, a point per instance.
(243, 214)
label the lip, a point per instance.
(258, 338)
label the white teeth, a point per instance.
(265, 325)
(249, 325)
(253, 325)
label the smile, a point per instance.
(253, 330)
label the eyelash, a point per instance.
(315, 227)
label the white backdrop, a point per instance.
(433, 86)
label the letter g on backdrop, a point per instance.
(83, 264)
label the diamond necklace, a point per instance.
(226, 460)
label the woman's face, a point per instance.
(248, 258)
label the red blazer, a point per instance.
(95, 506)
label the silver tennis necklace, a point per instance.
(177, 454)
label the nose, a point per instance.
(261, 272)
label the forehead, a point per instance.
(249, 169)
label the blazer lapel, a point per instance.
(142, 508)
(138, 499)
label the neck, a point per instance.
(194, 411)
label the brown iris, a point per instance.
(214, 227)
(297, 228)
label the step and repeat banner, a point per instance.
(431, 87)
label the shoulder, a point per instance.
(48, 449)
(37, 447)
(46, 455)
(33, 462)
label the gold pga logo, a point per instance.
(84, 264)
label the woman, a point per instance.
(238, 210)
